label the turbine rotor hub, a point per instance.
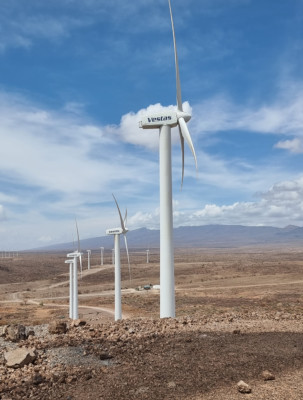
(184, 115)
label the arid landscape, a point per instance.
(239, 314)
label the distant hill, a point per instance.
(196, 236)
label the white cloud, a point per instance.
(282, 117)
(280, 206)
(294, 146)
(62, 155)
(70, 164)
(23, 30)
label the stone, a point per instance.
(105, 356)
(57, 327)
(37, 379)
(31, 333)
(78, 322)
(20, 357)
(15, 333)
(3, 330)
(243, 387)
(268, 376)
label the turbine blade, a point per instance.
(80, 257)
(185, 133)
(182, 152)
(121, 219)
(178, 85)
(126, 247)
(78, 235)
(125, 218)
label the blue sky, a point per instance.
(76, 76)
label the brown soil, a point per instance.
(239, 312)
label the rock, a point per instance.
(171, 385)
(31, 333)
(105, 356)
(20, 357)
(57, 327)
(243, 387)
(37, 379)
(236, 331)
(78, 322)
(268, 376)
(3, 330)
(15, 333)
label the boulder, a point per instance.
(243, 387)
(19, 357)
(268, 376)
(78, 322)
(3, 330)
(15, 333)
(57, 327)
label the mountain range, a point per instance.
(212, 236)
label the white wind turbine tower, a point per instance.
(73, 281)
(88, 258)
(164, 122)
(73, 292)
(102, 254)
(71, 287)
(117, 232)
(147, 256)
(113, 256)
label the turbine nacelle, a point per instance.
(169, 118)
(184, 115)
(157, 120)
(116, 231)
(74, 254)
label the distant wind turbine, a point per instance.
(117, 232)
(164, 122)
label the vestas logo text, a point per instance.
(162, 118)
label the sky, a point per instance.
(76, 77)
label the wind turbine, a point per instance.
(164, 122)
(117, 232)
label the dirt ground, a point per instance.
(239, 313)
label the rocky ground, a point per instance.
(179, 358)
(240, 318)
